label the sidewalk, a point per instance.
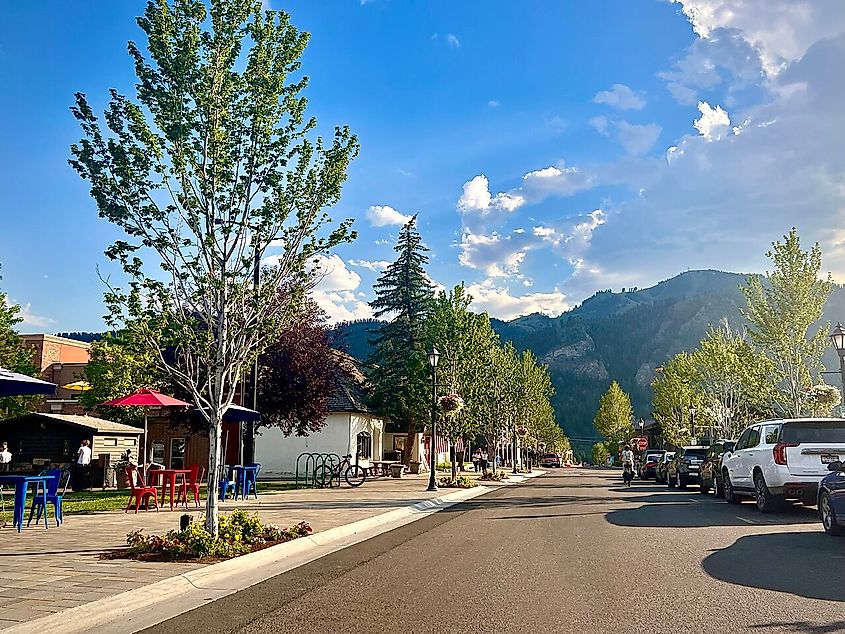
(47, 571)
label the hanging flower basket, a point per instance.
(450, 404)
(521, 431)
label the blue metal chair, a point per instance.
(227, 482)
(56, 488)
(250, 474)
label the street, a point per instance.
(568, 551)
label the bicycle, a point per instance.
(354, 474)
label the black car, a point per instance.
(710, 473)
(683, 468)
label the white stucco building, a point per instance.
(351, 428)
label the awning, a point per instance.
(16, 384)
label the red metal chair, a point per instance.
(139, 491)
(193, 484)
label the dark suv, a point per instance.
(684, 467)
(710, 473)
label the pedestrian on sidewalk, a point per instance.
(83, 459)
(483, 461)
(476, 460)
(5, 457)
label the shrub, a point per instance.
(494, 477)
(239, 533)
(461, 482)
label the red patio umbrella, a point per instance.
(146, 397)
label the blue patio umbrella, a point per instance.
(16, 384)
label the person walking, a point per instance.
(476, 460)
(5, 457)
(627, 465)
(483, 462)
(83, 459)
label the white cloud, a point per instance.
(341, 305)
(31, 319)
(780, 31)
(599, 124)
(493, 103)
(713, 122)
(637, 139)
(335, 289)
(333, 275)
(476, 197)
(452, 40)
(500, 303)
(385, 215)
(622, 97)
(377, 265)
(684, 95)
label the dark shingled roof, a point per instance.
(98, 425)
(350, 394)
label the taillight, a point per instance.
(779, 451)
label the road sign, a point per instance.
(641, 443)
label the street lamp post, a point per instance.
(837, 338)
(692, 421)
(433, 358)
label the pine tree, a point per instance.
(400, 372)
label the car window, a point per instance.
(770, 434)
(742, 443)
(826, 431)
(697, 454)
(754, 437)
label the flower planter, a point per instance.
(414, 466)
(122, 480)
(396, 470)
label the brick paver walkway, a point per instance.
(43, 571)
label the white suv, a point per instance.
(779, 460)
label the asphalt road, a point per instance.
(570, 551)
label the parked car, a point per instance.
(782, 459)
(832, 500)
(710, 474)
(648, 465)
(550, 460)
(660, 469)
(683, 469)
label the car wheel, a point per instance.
(682, 481)
(704, 487)
(730, 496)
(828, 516)
(720, 490)
(669, 481)
(766, 502)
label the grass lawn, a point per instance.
(85, 502)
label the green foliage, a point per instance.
(119, 365)
(615, 415)
(496, 476)
(781, 314)
(457, 482)
(238, 534)
(600, 453)
(822, 398)
(16, 356)
(399, 365)
(210, 165)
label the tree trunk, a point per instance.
(453, 455)
(410, 443)
(214, 462)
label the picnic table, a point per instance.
(381, 467)
(168, 477)
(21, 484)
(244, 478)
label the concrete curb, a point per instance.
(149, 605)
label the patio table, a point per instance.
(168, 477)
(240, 479)
(21, 483)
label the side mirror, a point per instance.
(836, 466)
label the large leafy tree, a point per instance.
(297, 376)
(465, 341)
(400, 371)
(211, 164)
(15, 355)
(675, 391)
(781, 314)
(615, 414)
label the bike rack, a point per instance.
(316, 463)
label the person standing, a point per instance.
(476, 460)
(83, 459)
(483, 462)
(5, 457)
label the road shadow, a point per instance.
(686, 514)
(804, 564)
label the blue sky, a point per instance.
(550, 149)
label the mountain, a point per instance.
(623, 336)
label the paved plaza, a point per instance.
(46, 571)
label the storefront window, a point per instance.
(365, 446)
(177, 453)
